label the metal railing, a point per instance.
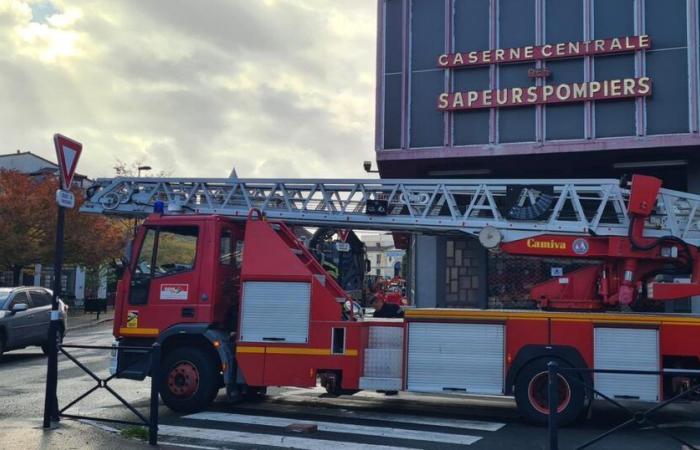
(103, 383)
(636, 418)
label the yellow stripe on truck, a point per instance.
(139, 331)
(293, 351)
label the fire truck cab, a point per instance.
(244, 305)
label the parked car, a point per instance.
(25, 314)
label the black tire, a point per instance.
(2, 344)
(59, 339)
(531, 394)
(190, 379)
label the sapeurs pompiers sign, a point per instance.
(547, 93)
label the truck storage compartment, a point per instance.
(275, 311)
(455, 357)
(383, 363)
(627, 349)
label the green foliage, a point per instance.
(135, 432)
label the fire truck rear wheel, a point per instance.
(190, 379)
(532, 397)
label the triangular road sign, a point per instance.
(68, 152)
(343, 234)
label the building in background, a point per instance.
(384, 258)
(536, 89)
(35, 166)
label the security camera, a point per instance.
(367, 165)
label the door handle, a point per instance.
(187, 312)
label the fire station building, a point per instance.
(536, 89)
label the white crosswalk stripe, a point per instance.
(337, 427)
(238, 437)
(418, 420)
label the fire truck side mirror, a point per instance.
(368, 266)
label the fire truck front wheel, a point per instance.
(531, 394)
(190, 379)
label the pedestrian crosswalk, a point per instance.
(335, 429)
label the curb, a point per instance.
(90, 324)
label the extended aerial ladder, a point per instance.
(638, 231)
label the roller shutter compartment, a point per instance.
(275, 312)
(455, 357)
(627, 349)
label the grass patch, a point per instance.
(135, 432)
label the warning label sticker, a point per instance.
(132, 319)
(174, 291)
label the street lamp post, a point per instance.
(140, 168)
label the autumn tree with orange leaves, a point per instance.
(28, 227)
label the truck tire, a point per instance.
(190, 379)
(532, 398)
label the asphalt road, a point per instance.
(366, 420)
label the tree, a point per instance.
(28, 225)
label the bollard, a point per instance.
(155, 382)
(553, 401)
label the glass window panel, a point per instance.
(471, 25)
(614, 117)
(516, 124)
(177, 248)
(427, 122)
(665, 23)
(427, 33)
(667, 107)
(471, 127)
(392, 111)
(393, 36)
(563, 20)
(613, 18)
(565, 121)
(517, 23)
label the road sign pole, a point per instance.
(67, 152)
(51, 401)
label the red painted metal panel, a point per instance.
(680, 340)
(522, 332)
(575, 334)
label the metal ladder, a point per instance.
(517, 208)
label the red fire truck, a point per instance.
(237, 301)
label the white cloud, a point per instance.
(275, 87)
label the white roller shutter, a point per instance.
(627, 349)
(444, 357)
(275, 312)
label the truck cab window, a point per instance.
(176, 249)
(164, 251)
(145, 260)
(226, 248)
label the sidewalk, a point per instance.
(77, 319)
(70, 434)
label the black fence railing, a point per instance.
(103, 383)
(636, 418)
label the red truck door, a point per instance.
(164, 282)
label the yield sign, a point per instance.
(68, 152)
(343, 234)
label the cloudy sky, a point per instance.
(192, 87)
